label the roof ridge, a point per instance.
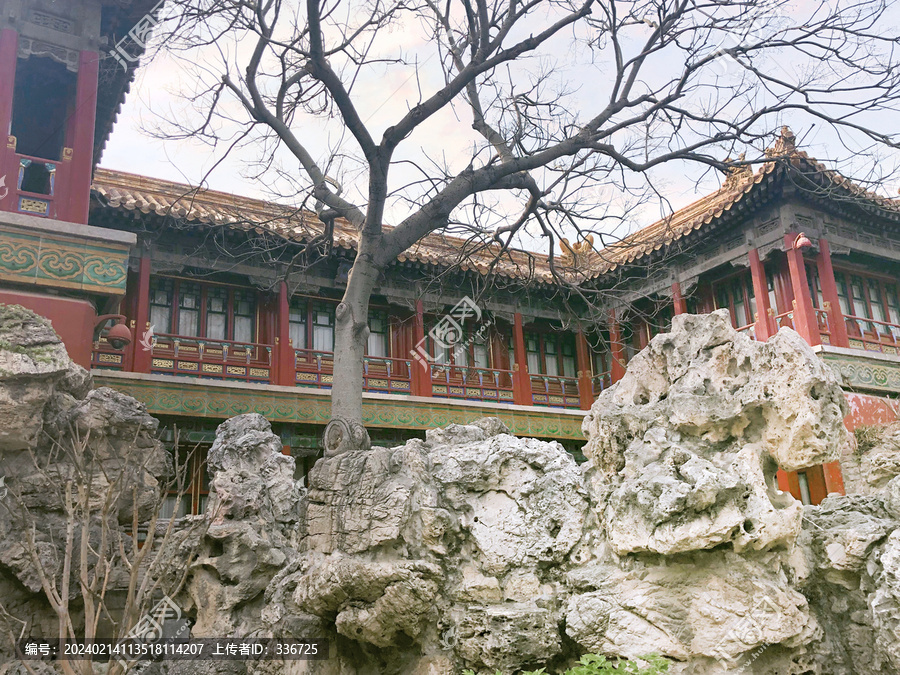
(132, 191)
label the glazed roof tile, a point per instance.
(131, 192)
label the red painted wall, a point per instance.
(866, 409)
(73, 320)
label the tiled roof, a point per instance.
(130, 192)
(736, 187)
(681, 223)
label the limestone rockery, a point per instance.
(476, 549)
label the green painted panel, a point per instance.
(193, 399)
(861, 373)
(62, 262)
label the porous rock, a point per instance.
(57, 435)
(475, 549)
(253, 514)
(688, 442)
(33, 361)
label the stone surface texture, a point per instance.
(476, 549)
(53, 429)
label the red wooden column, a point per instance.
(77, 198)
(837, 326)
(642, 334)
(421, 367)
(804, 316)
(765, 323)
(678, 299)
(616, 349)
(585, 386)
(9, 46)
(834, 479)
(285, 371)
(521, 380)
(142, 354)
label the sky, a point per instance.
(158, 94)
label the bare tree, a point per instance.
(571, 102)
(98, 544)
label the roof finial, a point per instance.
(785, 144)
(737, 173)
(575, 254)
(788, 139)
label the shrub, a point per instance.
(867, 437)
(594, 664)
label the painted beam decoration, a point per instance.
(200, 399)
(59, 261)
(858, 373)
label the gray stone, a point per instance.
(33, 360)
(476, 549)
(63, 445)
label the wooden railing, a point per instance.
(555, 391)
(600, 382)
(872, 335)
(38, 203)
(105, 357)
(252, 362)
(472, 383)
(749, 329)
(785, 320)
(823, 321)
(217, 359)
(387, 375)
(313, 368)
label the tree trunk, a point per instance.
(351, 332)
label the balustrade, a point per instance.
(555, 391)
(472, 383)
(872, 335)
(203, 357)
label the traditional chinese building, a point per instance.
(59, 95)
(230, 301)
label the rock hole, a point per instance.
(641, 398)
(475, 519)
(554, 528)
(216, 548)
(748, 527)
(815, 394)
(732, 369)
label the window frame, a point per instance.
(559, 341)
(202, 332)
(384, 316)
(727, 284)
(886, 285)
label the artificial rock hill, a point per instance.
(476, 549)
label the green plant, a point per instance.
(595, 664)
